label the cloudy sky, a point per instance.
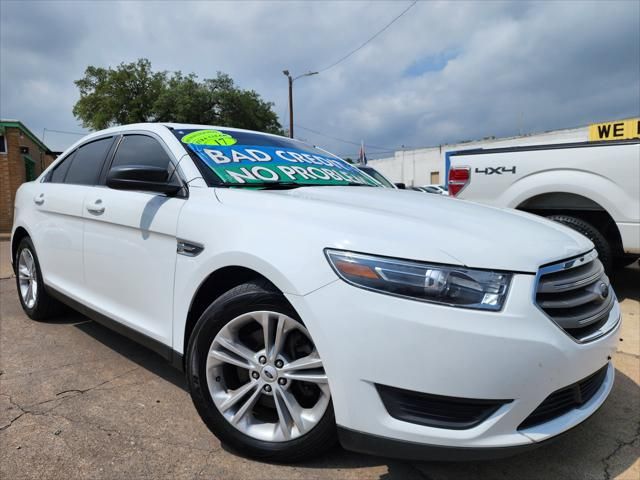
(445, 71)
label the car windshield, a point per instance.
(242, 158)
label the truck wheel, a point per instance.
(624, 261)
(585, 228)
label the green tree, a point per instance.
(133, 93)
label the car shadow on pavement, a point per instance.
(626, 283)
(145, 358)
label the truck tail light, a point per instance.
(458, 179)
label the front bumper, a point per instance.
(367, 338)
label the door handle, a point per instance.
(39, 199)
(96, 207)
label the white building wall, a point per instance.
(415, 167)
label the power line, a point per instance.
(369, 40)
(386, 149)
(370, 156)
(63, 131)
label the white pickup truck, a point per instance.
(592, 187)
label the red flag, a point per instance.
(362, 156)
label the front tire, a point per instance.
(256, 378)
(35, 300)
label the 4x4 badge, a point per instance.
(496, 170)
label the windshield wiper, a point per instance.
(288, 185)
(268, 185)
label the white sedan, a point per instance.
(283, 281)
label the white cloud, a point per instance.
(537, 65)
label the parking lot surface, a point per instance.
(79, 401)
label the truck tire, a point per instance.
(605, 253)
(624, 261)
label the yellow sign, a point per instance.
(209, 137)
(619, 130)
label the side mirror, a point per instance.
(141, 177)
(401, 185)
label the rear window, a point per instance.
(87, 162)
(240, 158)
(60, 171)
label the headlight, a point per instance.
(443, 284)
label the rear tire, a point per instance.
(261, 423)
(34, 298)
(605, 253)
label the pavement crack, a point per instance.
(73, 390)
(634, 355)
(109, 431)
(11, 422)
(22, 413)
(85, 390)
(620, 445)
(80, 391)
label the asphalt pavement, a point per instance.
(79, 401)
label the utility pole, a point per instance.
(290, 106)
(402, 165)
(291, 80)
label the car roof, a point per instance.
(159, 128)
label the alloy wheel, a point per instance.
(266, 378)
(28, 279)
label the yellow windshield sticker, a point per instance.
(209, 137)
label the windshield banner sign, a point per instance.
(245, 164)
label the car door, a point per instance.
(58, 202)
(130, 245)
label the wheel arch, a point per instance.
(18, 234)
(557, 202)
(213, 286)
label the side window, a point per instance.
(141, 150)
(60, 171)
(88, 162)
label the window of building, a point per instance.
(140, 150)
(87, 162)
(435, 178)
(3, 144)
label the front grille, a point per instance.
(577, 296)
(437, 410)
(566, 399)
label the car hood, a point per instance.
(413, 225)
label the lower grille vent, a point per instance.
(436, 410)
(566, 399)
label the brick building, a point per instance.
(22, 158)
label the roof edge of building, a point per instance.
(18, 124)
